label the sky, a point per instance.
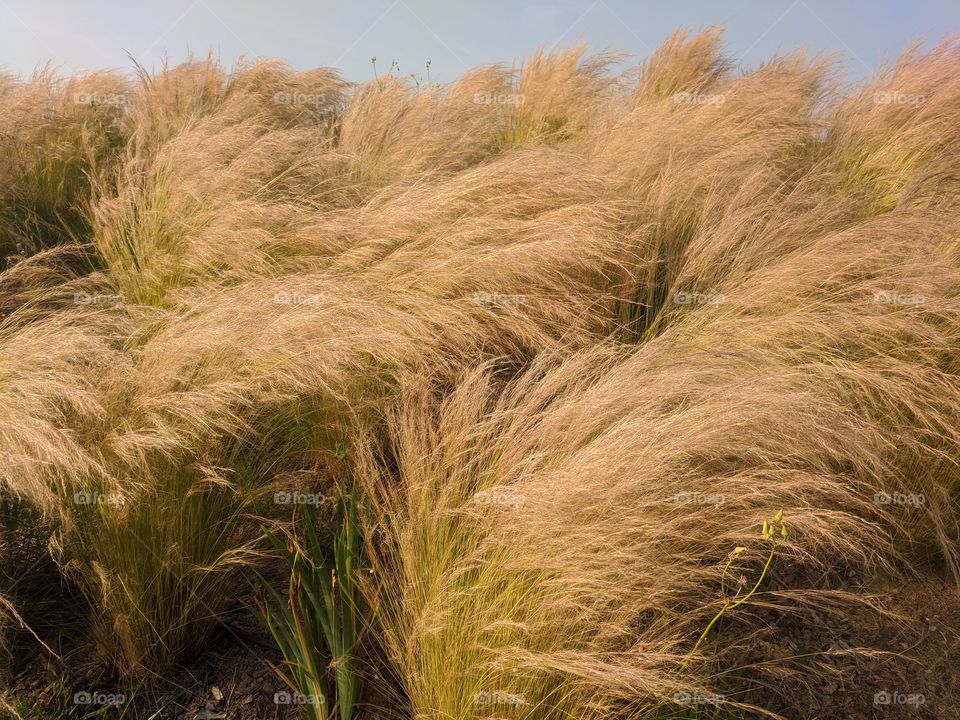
(452, 35)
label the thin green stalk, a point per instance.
(768, 533)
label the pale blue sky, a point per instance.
(455, 34)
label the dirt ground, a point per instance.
(916, 674)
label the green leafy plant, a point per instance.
(316, 627)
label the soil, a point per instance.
(915, 676)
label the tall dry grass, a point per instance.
(536, 307)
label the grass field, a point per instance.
(551, 393)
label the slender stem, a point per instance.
(727, 604)
(766, 567)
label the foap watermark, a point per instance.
(890, 297)
(297, 298)
(287, 497)
(887, 697)
(498, 497)
(84, 298)
(294, 698)
(689, 98)
(99, 98)
(698, 498)
(85, 697)
(485, 97)
(499, 697)
(697, 698)
(93, 497)
(300, 98)
(899, 498)
(896, 97)
(683, 297)
(485, 298)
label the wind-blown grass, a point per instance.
(581, 333)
